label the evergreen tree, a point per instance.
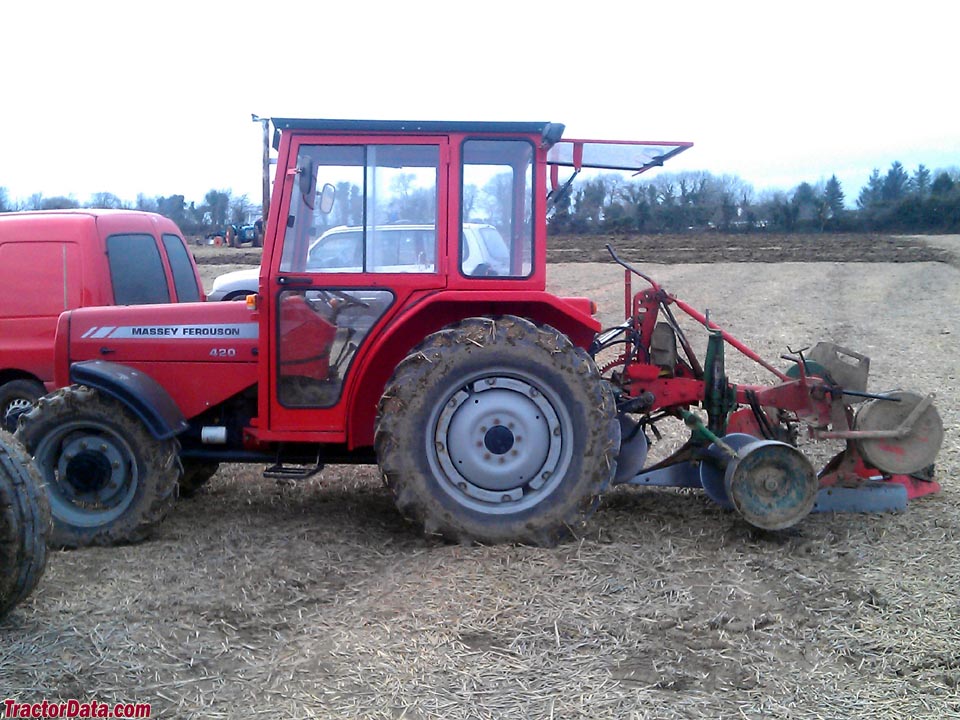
(942, 185)
(920, 182)
(833, 196)
(871, 194)
(895, 184)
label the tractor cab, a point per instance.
(386, 231)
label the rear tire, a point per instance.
(497, 431)
(108, 479)
(24, 524)
(16, 397)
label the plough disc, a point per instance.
(904, 455)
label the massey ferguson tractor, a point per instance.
(497, 412)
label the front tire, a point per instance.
(24, 524)
(109, 480)
(497, 431)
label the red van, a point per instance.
(57, 260)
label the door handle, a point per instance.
(294, 281)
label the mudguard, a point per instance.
(136, 390)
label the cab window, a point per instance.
(380, 193)
(496, 202)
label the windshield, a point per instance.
(496, 247)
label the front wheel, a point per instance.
(24, 524)
(497, 431)
(109, 480)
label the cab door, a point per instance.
(364, 222)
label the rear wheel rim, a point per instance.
(91, 473)
(500, 442)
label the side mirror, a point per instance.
(327, 196)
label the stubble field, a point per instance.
(316, 599)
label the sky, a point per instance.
(156, 98)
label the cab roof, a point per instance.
(553, 130)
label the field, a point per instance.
(316, 599)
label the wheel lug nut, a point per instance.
(103, 448)
(505, 498)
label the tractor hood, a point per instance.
(183, 346)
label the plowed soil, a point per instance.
(315, 598)
(755, 248)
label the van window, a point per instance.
(136, 270)
(184, 279)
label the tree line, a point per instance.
(898, 200)
(923, 201)
(218, 209)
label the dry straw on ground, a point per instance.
(317, 600)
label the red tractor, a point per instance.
(475, 391)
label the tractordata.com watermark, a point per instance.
(74, 709)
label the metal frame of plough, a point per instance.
(739, 418)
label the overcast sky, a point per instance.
(130, 97)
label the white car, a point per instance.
(394, 248)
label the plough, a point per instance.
(745, 456)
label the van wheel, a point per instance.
(16, 397)
(498, 431)
(109, 480)
(24, 524)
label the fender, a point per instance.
(570, 316)
(139, 392)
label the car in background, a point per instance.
(392, 248)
